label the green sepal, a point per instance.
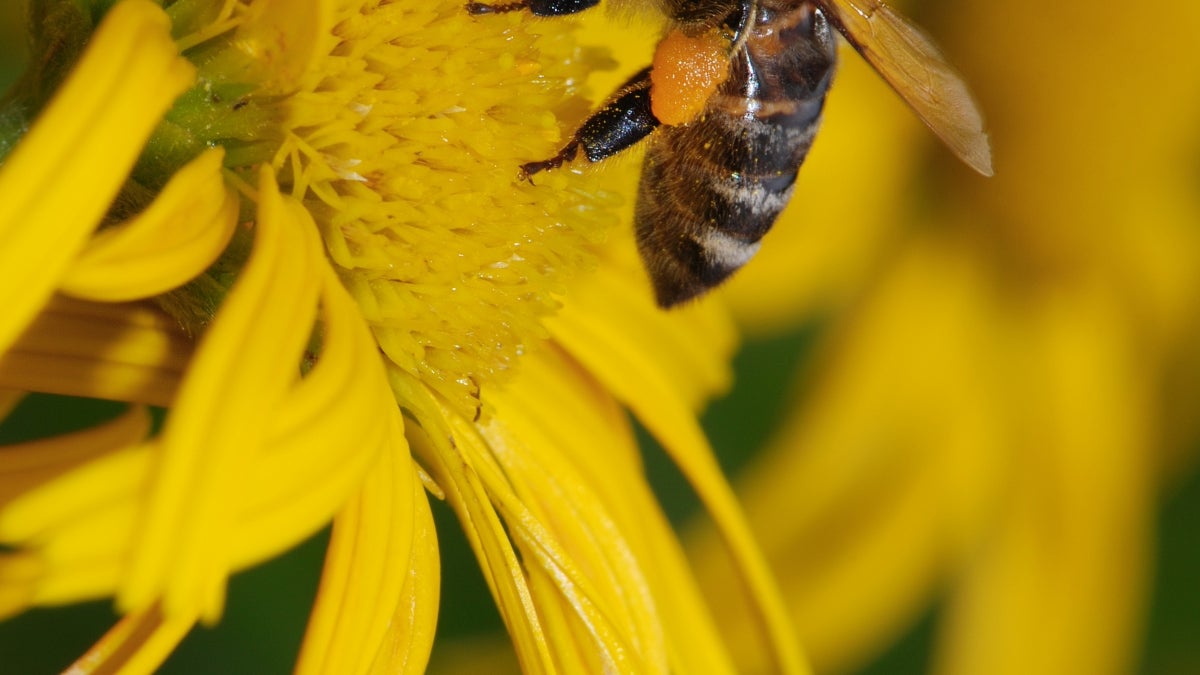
(58, 32)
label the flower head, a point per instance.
(297, 228)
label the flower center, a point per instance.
(406, 146)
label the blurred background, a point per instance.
(964, 421)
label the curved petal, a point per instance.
(176, 238)
(370, 564)
(137, 644)
(343, 402)
(408, 641)
(606, 643)
(122, 352)
(289, 35)
(83, 524)
(23, 466)
(571, 445)
(600, 336)
(499, 563)
(574, 517)
(26, 466)
(61, 177)
(691, 345)
(554, 612)
(215, 430)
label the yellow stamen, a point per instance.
(414, 184)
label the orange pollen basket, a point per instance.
(686, 72)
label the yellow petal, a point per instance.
(691, 345)
(597, 632)
(555, 427)
(204, 20)
(896, 454)
(631, 368)
(27, 579)
(289, 35)
(1069, 204)
(82, 526)
(63, 174)
(215, 428)
(137, 644)
(176, 238)
(409, 639)
(486, 533)
(563, 500)
(344, 402)
(123, 352)
(1060, 586)
(63, 502)
(369, 564)
(24, 466)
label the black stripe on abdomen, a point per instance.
(709, 192)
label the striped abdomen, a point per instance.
(710, 189)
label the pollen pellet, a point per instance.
(686, 71)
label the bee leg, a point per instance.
(536, 7)
(565, 155)
(620, 124)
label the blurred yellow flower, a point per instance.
(1009, 374)
(296, 227)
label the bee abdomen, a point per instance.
(711, 188)
(709, 192)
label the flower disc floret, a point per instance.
(415, 187)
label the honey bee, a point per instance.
(734, 98)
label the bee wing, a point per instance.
(916, 69)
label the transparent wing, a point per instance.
(916, 69)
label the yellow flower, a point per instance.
(297, 228)
(1008, 377)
